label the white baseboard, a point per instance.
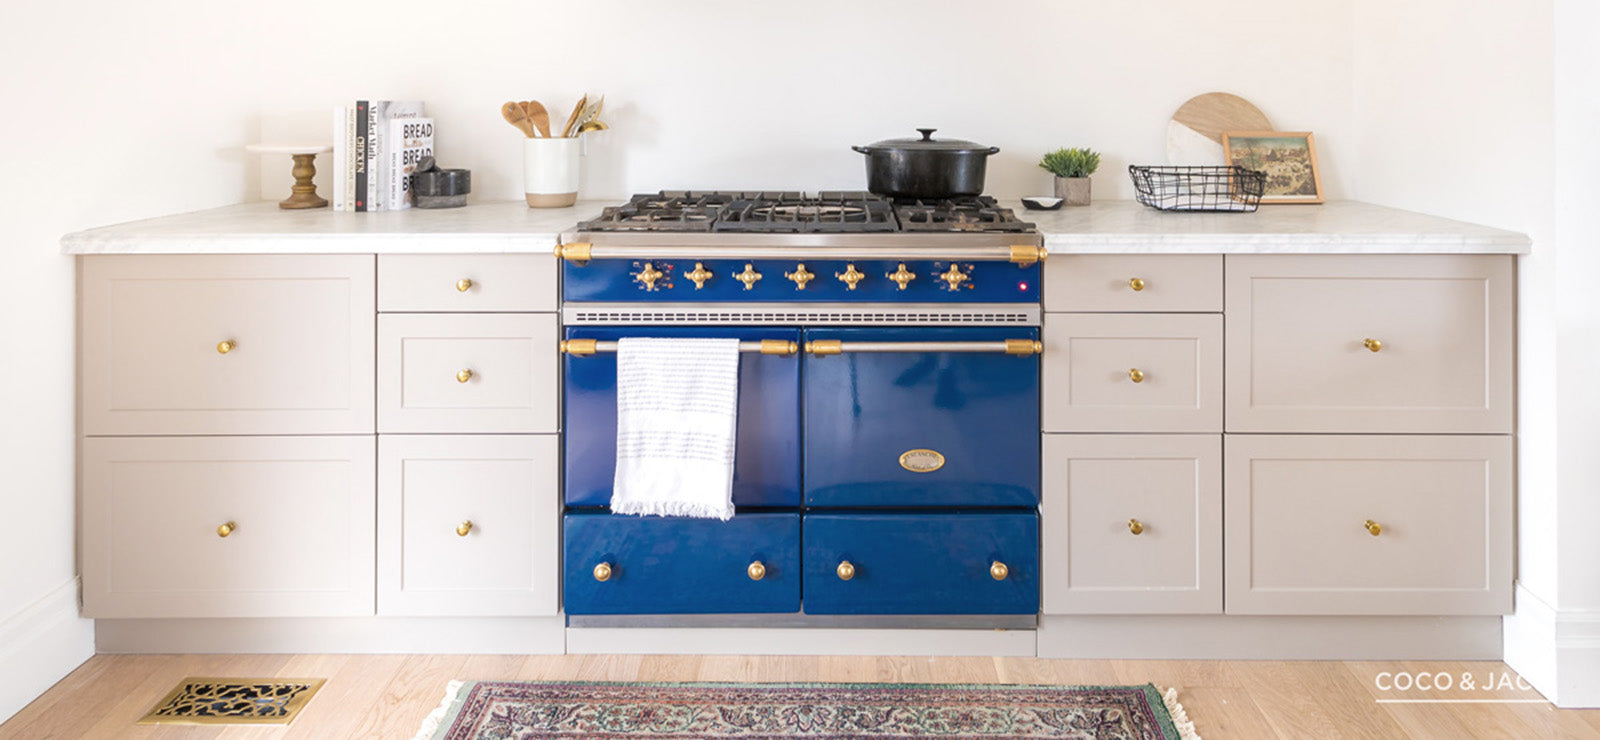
(40, 644)
(1242, 637)
(1556, 651)
(798, 641)
(478, 635)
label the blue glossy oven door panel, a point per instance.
(766, 465)
(672, 565)
(978, 412)
(608, 281)
(922, 563)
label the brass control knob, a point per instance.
(846, 570)
(954, 277)
(1372, 344)
(226, 528)
(749, 277)
(1136, 375)
(800, 276)
(1373, 528)
(648, 276)
(1137, 284)
(1135, 526)
(998, 571)
(463, 528)
(602, 572)
(850, 276)
(463, 375)
(464, 284)
(902, 276)
(700, 275)
(756, 571)
(227, 345)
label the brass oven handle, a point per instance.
(1021, 347)
(587, 347)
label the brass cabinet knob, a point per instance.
(226, 528)
(602, 572)
(902, 276)
(463, 375)
(699, 275)
(846, 570)
(227, 345)
(648, 275)
(1137, 284)
(954, 277)
(1372, 344)
(464, 284)
(1373, 528)
(800, 276)
(756, 571)
(850, 276)
(1135, 526)
(749, 277)
(998, 571)
(1136, 375)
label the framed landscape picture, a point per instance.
(1288, 157)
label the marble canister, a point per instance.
(550, 171)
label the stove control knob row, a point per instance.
(902, 276)
(800, 276)
(850, 276)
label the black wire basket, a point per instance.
(1165, 188)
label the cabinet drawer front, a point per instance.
(1298, 541)
(300, 359)
(467, 373)
(933, 563)
(1168, 282)
(1132, 524)
(1119, 373)
(466, 282)
(1439, 357)
(666, 565)
(301, 542)
(468, 525)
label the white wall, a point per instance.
(114, 112)
(738, 94)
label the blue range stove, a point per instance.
(887, 456)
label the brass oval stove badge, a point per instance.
(921, 461)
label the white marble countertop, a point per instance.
(510, 226)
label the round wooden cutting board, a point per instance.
(1194, 135)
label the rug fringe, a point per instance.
(430, 723)
(1180, 718)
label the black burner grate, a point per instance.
(833, 211)
(974, 213)
(829, 212)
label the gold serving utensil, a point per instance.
(572, 120)
(592, 126)
(515, 116)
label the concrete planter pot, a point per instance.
(1074, 191)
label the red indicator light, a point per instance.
(1022, 286)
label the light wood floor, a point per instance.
(386, 696)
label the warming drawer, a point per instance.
(954, 562)
(665, 565)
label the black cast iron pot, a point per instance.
(925, 168)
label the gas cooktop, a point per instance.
(826, 212)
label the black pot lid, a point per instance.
(928, 143)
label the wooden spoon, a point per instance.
(538, 116)
(515, 116)
(572, 120)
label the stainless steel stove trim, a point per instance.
(812, 314)
(969, 246)
(879, 621)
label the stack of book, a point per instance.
(376, 147)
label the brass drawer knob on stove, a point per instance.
(1135, 526)
(226, 528)
(998, 571)
(602, 572)
(464, 284)
(227, 345)
(1372, 344)
(756, 571)
(1137, 284)
(1136, 375)
(464, 528)
(1373, 528)
(463, 375)
(846, 570)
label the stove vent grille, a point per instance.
(856, 314)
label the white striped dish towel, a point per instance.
(677, 407)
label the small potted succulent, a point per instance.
(1072, 168)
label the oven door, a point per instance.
(922, 417)
(766, 464)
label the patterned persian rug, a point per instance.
(493, 710)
